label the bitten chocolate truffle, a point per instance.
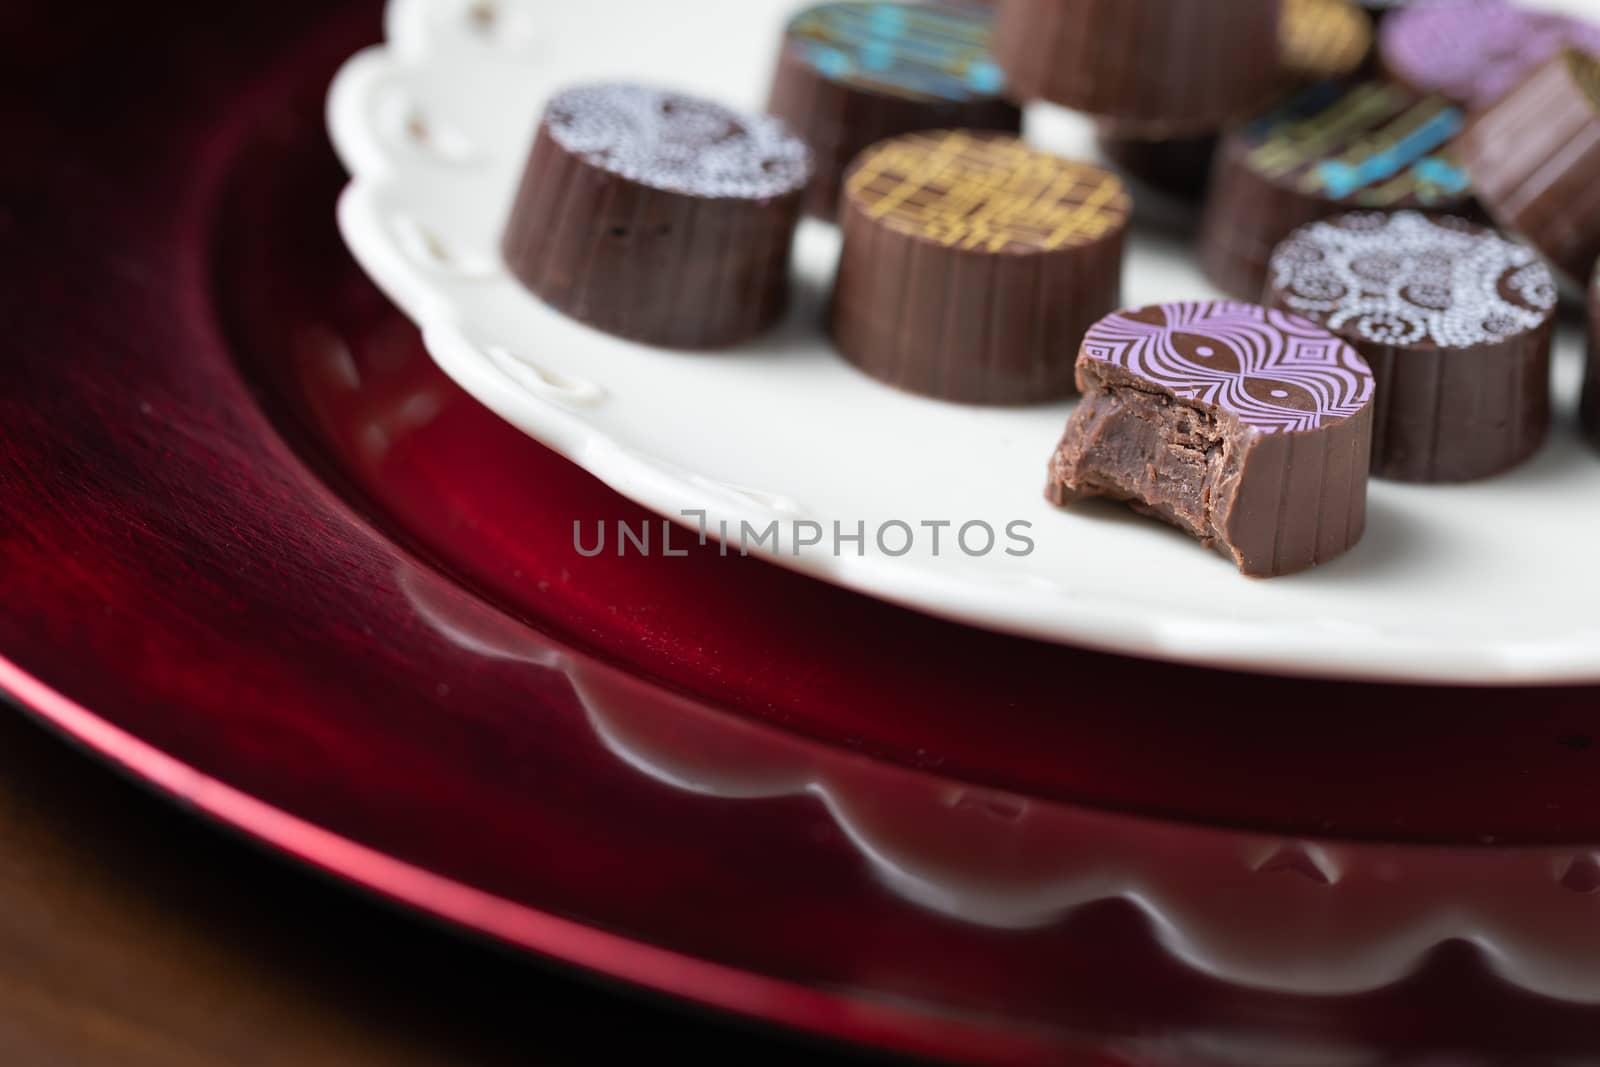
(1535, 158)
(853, 74)
(1159, 67)
(972, 265)
(1591, 381)
(1318, 40)
(1475, 51)
(657, 216)
(1330, 149)
(1456, 323)
(1247, 428)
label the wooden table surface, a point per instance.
(134, 934)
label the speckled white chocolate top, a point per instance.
(1405, 279)
(679, 143)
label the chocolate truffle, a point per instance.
(1456, 323)
(1247, 428)
(1591, 382)
(972, 265)
(1330, 149)
(853, 74)
(1535, 157)
(1319, 40)
(1475, 51)
(658, 217)
(1160, 67)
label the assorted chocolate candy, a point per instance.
(1246, 428)
(852, 74)
(1456, 323)
(1396, 335)
(1332, 148)
(657, 216)
(972, 265)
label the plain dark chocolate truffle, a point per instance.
(1535, 157)
(657, 216)
(1456, 323)
(1331, 149)
(1161, 67)
(853, 74)
(972, 265)
(1247, 428)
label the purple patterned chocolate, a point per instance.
(678, 143)
(1275, 372)
(1475, 51)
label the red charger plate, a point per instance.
(256, 549)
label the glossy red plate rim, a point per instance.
(107, 433)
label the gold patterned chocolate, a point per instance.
(1323, 38)
(986, 193)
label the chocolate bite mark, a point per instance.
(1170, 459)
(1247, 429)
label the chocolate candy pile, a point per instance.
(1391, 192)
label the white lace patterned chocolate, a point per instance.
(1405, 279)
(678, 143)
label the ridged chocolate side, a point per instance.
(840, 121)
(970, 326)
(1446, 415)
(1167, 66)
(1591, 382)
(1275, 503)
(662, 267)
(1535, 156)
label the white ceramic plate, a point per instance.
(1496, 582)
